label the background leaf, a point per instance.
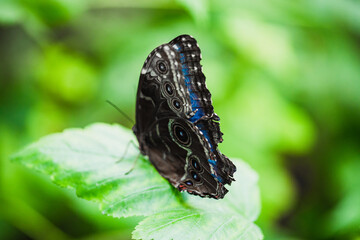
(94, 160)
(284, 78)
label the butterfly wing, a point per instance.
(178, 152)
(204, 117)
(161, 91)
(173, 102)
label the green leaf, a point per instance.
(194, 224)
(10, 12)
(94, 160)
(230, 218)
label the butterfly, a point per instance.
(176, 125)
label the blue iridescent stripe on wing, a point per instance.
(196, 107)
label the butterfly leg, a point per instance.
(134, 164)
(126, 150)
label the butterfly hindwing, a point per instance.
(179, 148)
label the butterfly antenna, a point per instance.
(120, 111)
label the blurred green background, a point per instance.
(285, 80)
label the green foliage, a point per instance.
(72, 80)
(284, 78)
(91, 161)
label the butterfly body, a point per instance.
(175, 121)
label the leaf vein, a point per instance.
(221, 226)
(144, 190)
(173, 221)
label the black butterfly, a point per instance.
(175, 121)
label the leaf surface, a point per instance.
(94, 161)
